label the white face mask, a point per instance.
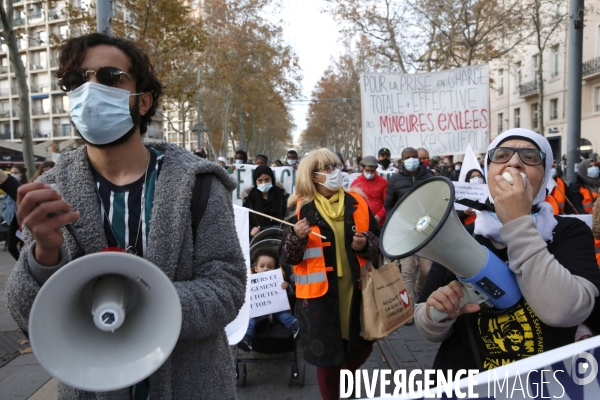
(334, 180)
(239, 161)
(264, 187)
(476, 179)
(411, 164)
(368, 175)
(291, 162)
(457, 167)
(17, 177)
(100, 113)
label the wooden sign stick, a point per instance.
(282, 221)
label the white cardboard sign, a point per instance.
(472, 191)
(266, 294)
(441, 111)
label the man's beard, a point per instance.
(135, 116)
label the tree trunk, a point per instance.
(24, 117)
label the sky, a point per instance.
(314, 37)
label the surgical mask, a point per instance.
(100, 113)
(291, 162)
(553, 172)
(368, 175)
(17, 177)
(334, 180)
(411, 164)
(457, 167)
(239, 161)
(426, 163)
(476, 179)
(592, 172)
(264, 187)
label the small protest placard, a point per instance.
(472, 191)
(266, 294)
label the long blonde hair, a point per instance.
(305, 187)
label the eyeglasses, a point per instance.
(109, 76)
(501, 155)
(330, 168)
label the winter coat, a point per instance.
(575, 193)
(209, 275)
(320, 331)
(281, 198)
(402, 182)
(375, 190)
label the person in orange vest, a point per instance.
(584, 191)
(327, 271)
(557, 197)
(468, 216)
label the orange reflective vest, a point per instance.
(311, 274)
(559, 195)
(597, 247)
(552, 200)
(588, 199)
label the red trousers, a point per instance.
(329, 377)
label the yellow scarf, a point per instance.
(325, 207)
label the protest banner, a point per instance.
(472, 191)
(266, 294)
(441, 111)
(236, 329)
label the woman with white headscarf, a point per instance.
(552, 258)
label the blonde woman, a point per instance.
(327, 271)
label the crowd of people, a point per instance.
(329, 236)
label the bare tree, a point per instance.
(8, 34)
(546, 19)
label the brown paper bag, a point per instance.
(386, 305)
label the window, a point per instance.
(554, 109)
(598, 41)
(535, 62)
(555, 61)
(500, 125)
(534, 114)
(597, 98)
(500, 82)
(517, 117)
(519, 78)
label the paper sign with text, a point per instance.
(266, 294)
(441, 111)
(472, 191)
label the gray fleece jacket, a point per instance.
(209, 277)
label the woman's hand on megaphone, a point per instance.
(43, 211)
(447, 300)
(512, 201)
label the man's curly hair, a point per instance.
(72, 53)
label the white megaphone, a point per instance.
(105, 321)
(425, 223)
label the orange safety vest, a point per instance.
(559, 195)
(597, 247)
(588, 201)
(310, 275)
(552, 200)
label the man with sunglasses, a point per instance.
(119, 192)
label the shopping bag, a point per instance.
(386, 305)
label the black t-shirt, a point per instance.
(516, 333)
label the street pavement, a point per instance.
(23, 378)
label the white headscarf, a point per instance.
(487, 223)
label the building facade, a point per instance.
(515, 99)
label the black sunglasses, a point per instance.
(501, 155)
(109, 76)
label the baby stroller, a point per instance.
(271, 337)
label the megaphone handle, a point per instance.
(472, 295)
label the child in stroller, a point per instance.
(266, 259)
